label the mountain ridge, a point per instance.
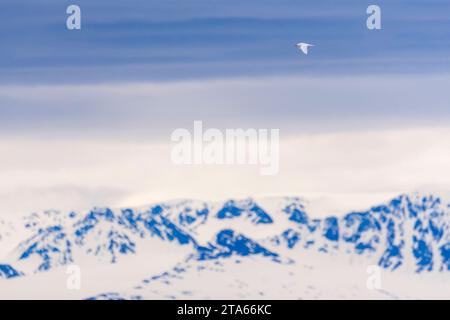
(410, 232)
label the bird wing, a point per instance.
(304, 49)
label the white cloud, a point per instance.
(361, 139)
(356, 168)
(293, 104)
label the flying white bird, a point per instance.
(304, 47)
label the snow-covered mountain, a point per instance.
(408, 232)
(405, 236)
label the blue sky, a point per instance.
(352, 79)
(170, 40)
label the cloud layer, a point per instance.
(356, 168)
(151, 111)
